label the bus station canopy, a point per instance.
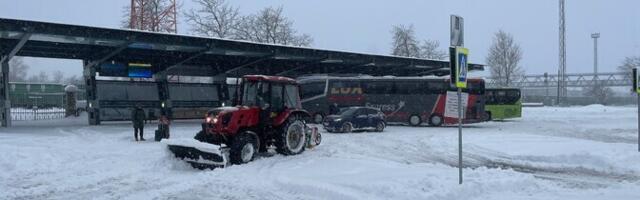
(197, 56)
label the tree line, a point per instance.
(217, 18)
(19, 73)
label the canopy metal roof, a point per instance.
(197, 56)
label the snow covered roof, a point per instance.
(196, 56)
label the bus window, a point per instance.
(309, 90)
(436, 87)
(378, 87)
(344, 87)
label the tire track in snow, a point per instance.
(571, 176)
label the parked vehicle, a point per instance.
(267, 115)
(503, 103)
(406, 100)
(355, 118)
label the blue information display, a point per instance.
(138, 70)
(113, 69)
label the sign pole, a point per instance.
(459, 135)
(458, 63)
(636, 89)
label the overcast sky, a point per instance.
(364, 25)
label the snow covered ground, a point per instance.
(551, 153)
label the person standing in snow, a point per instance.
(333, 109)
(137, 117)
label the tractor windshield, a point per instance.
(250, 93)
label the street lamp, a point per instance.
(595, 37)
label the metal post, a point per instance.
(162, 80)
(459, 135)
(638, 121)
(5, 103)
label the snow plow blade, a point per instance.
(200, 155)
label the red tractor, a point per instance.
(267, 115)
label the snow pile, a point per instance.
(551, 153)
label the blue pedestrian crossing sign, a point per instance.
(459, 66)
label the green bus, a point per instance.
(502, 103)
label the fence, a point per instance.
(25, 114)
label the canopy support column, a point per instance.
(93, 101)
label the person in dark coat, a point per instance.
(137, 117)
(333, 109)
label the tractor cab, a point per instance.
(267, 92)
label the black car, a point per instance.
(355, 118)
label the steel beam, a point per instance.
(108, 56)
(261, 59)
(302, 66)
(23, 40)
(190, 58)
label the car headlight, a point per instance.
(208, 120)
(215, 120)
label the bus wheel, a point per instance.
(487, 116)
(317, 118)
(436, 120)
(415, 120)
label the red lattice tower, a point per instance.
(154, 15)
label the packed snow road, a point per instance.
(551, 153)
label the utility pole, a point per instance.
(155, 16)
(595, 37)
(562, 67)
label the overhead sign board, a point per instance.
(459, 66)
(457, 31)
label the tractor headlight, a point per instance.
(208, 120)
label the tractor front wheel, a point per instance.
(243, 148)
(291, 138)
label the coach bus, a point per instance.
(412, 101)
(502, 103)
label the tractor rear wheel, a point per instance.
(291, 138)
(243, 148)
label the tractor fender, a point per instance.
(285, 116)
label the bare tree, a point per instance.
(214, 18)
(41, 77)
(429, 50)
(270, 26)
(628, 64)
(75, 80)
(504, 58)
(154, 18)
(18, 70)
(405, 42)
(599, 92)
(58, 77)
